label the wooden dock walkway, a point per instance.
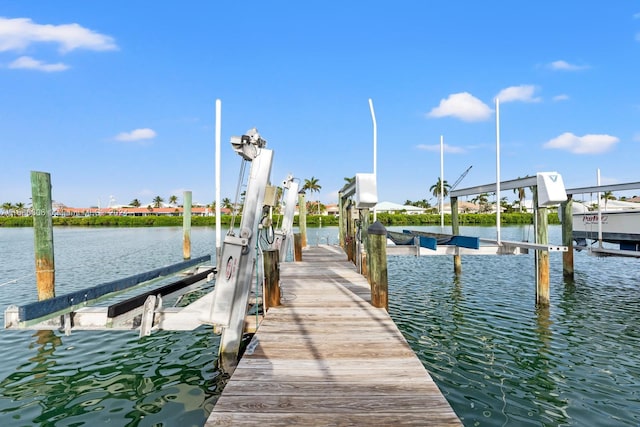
(327, 357)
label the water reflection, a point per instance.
(153, 381)
(500, 360)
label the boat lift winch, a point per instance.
(239, 251)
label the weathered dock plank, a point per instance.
(326, 356)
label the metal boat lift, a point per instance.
(284, 236)
(145, 311)
(224, 307)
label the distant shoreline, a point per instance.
(312, 220)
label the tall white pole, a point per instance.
(375, 149)
(498, 171)
(218, 212)
(441, 182)
(599, 214)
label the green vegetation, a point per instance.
(312, 220)
(464, 219)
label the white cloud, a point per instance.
(19, 33)
(136, 135)
(587, 144)
(565, 66)
(523, 93)
(636, 137)
(463, 106)
(436, 148)
(27, 62)
(561, 97)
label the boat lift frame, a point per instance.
(73, 311)
(284, 236)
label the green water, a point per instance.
(501, 361)
(498, 359)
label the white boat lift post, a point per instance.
(375, 148)
(218, 182)
(284, 236)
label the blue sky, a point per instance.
(117, 98)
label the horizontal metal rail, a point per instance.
(122, 307)
(603, 188)
(531, 181)
(39, 309)
(528, 245)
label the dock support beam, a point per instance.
(297, 247)
(341, 218)
(271, 278)
(186, 225)
(567, 237)
(455, 230)
(542, 257)
(43, 234)
(364, 236)
(302, 217)
(378, 275)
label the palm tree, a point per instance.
(521, 195)
(20, 208)
(482, 200)
(173, 200)
(135, 203)
(313, 187)
(424, 203)
(226, 203)
(435, 188)
(157, 201)
(7, 207)
(607, 195)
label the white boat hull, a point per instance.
(617, 227)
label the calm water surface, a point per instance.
(498, 359)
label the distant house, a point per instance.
(390, 207)
(141, 211)
(463, 207)
(332, 209)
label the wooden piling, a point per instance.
(186, 225)
(341, 219)
(297, 247)
(302, 218)
(43, 234)
(364, 233)
(542, 264)
(455, 230)
(567, 237)
(378, 265)
(351, 234)
(271, 278)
